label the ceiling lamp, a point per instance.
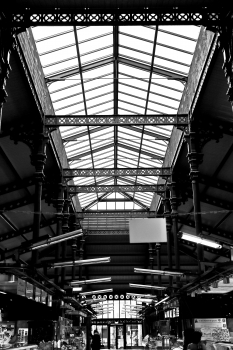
(57, 239)
(146, 300)
(142, 295)
(97, 291)
(77, 289)
(200, 240)
(96, 280)
(146, 286)
(158, 272)
(92, 301)
(161, 301)
(81, 262)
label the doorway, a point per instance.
(116, 337)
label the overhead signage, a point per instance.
(147, 230)
(21, 287)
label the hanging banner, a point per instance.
(147, 230)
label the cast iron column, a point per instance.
(158, 253)
(81, 255)
(38, 159)
(194, 159)
(65, 229)
(59, 206)
(173, 202)
(167, 215)
(74, 226)
(151, 259)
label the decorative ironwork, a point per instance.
(70, 173)
(116, 213)
(73, 120)
(113, 16)
(106, 232)
(117, 188)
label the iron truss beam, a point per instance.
(116, 213)
(50, 16)
(180, 120)
(23, 231)
(70, 173)
(106, 232)
(17, 185)
(119, 188)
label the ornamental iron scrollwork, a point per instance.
(70, 173)
(68, 120)
(117, 188)
(111, 16)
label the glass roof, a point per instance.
(125, 70)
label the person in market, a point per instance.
(150, 340)
(196, 344)
(96, 342)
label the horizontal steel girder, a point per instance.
(116, 213)
(72, 120)
(106, 232)
(70, 173)
(121, 188)
(50, 16)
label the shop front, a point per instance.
(119, 334)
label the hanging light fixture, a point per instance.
(161, 301)
(96, 280)
(158, 272)
(145, 300)
(200, 240)
(77, 289)
(56, 240)
(81, 262)
(146, 286)
(142, 295)
(110, 290)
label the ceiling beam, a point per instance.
(119, 188)
(70, 173)
(92, 120)
(26, 16)
(25, 230)
(213, 182)
(106, 232)
(116, 213)
(17, 185)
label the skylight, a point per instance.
(125, 70)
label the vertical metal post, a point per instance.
(151, 259)
(173, 202)
(194, 159)
(65, 229)
(39, 159)
(59, 206)
(81, 254)
(6, 42)
(167, 215)
(158, 253)
(74, 226)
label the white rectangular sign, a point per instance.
(147, 230)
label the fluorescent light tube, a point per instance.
(77, 289)
(110, 290)
(146, 286)
(81, 262)
(142, 295)
(161, 301)
(158, 272)
(146, 300)
(200, 240)
(57, 239)
(96, 280)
